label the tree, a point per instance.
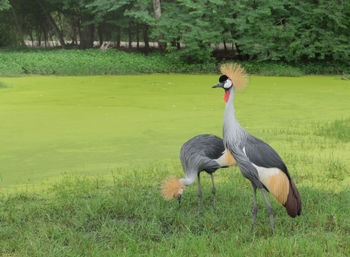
(7, 30)
(157, 15)
(4, 4)
(111, 13)
(263, 30)
(18, 24)
(140, 12)
(51, 21)
(196, 24)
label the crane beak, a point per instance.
(219, 85)
(179, 199)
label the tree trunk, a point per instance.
(45, 35)
(157, 14)
(31, 37)
(18, 25)
(225, 47)
(52, 22)
(157, 9)
(145, 38)
(100, 34)
(118, 37)
(129, 34)
(137, 37)
(52, 41)
(76, 32)
(107, 33)
(74, 36)
(38, 36)
(86, 34)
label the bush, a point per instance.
(94, 62)
(272, 69)
(14, 62)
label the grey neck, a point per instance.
(233, 133)
(189, 178)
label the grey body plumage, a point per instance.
(198, 154)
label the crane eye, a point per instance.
(228, 84)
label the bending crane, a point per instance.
(200, 153)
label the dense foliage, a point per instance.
(4, 4)
(93, 62)
(262, 30)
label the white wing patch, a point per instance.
(226, 159)
(275, 180)
(222, 160)
(266, 173)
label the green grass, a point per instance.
(338, 129)
(82, 159)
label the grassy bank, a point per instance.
(92, 62)
(82, 159)
(96, 62)
(83, 217)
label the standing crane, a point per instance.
(200, 153)
(256, 160)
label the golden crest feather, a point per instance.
(171, 188)
(236, 73)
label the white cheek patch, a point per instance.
(228, 84)
(181, 191)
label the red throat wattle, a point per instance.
(227, 95)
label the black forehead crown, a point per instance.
(223, 78)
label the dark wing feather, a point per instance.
(206, 145)
(263, 155)
(214, 147)
(245, 165)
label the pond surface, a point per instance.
(51, 126)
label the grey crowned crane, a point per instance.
(256, 160)
(200, 153)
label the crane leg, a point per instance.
(269, 209)
(199, 193)
(214, 190)
(255, 209)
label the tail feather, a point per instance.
(293, 203)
